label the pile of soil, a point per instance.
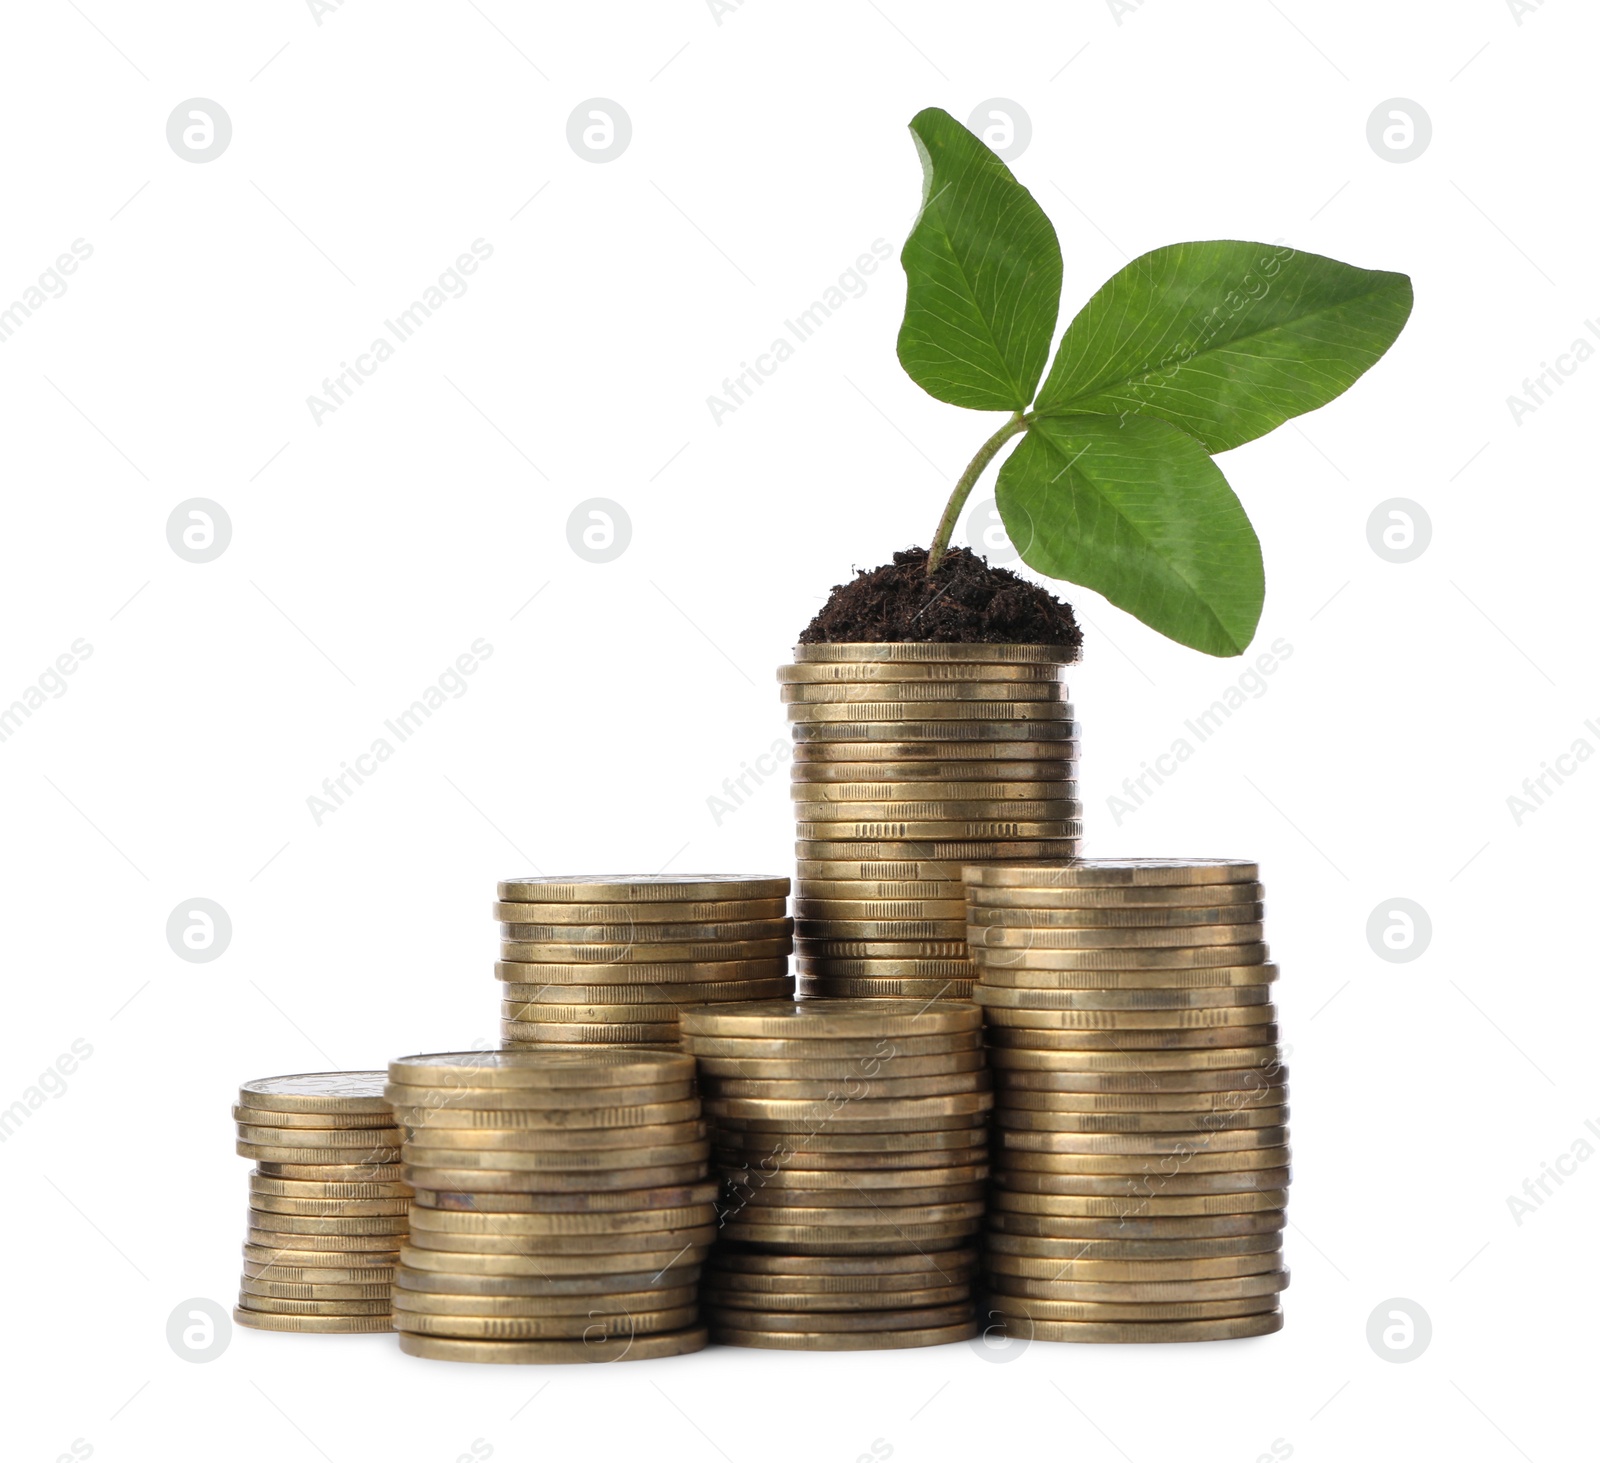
(966, 601)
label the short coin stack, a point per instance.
(910, 760)
(327, 1205)
(851, 1140)
(1142, 1158)
(612, 959)
(562, 1207)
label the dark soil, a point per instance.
(966, 601)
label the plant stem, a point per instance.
(964, 485)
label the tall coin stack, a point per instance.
(1142, 1153)
(851, 1141)
(910, 760)
(327, 1205)
(612, 959)
(562, 1207)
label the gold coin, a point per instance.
(911, 851)
(567, 1125)
(862, 1167)
(1002, 1310)
(641, 972)
(884, 789)
(813, 950)
(856, 1087)
(823, 673)
(313, 1121)
(1262, 1095)
(736, 1301)
(640, 888)
(637, 1221)
(1148, 1332)
(934, 1261)
(648, 937)
(329, 1208)
(1078, 1272)
(288, 1290)
(1125, 1249)
(549, 1070)
(756, 1200)
(291, 1161)
(941, 810)
(1137, 1206)
(1119, 1001)
(1106, 873)
(1172, 957)
(317, 1092)
(967, 711)
(524, 1353)
(836, 1148)
(1157, 1042)
(564, 1245)
(1155, 1067)
(1209, 1226)
(324, 1138)
(879, 909)
(1176, 1178)
(875, 969)
(660, 912)
(881, 1185)
(846, 1111)
(460, 1262)
(1128, 1292)
(340, 1273)
(1142, 1168)
(577, 1291)
(852, 1221)
(826, 1239)
(283, 1244)
(815, 890)
(616, 1202)
(818, 1322)
(570, 1107)
(1177, 919)
(535, 1033)
(788, 1019)
(516, 1181)
(1018, 1128)
(848, 693)
(580, 1161)
(986, 938)
(530, 952)
(930, 830)
(869, 1277)
(314, 1189)
(822, 1069)
(727, 1335)
(280, 1305)
(265, 1321)
(536, 1140)
(989, 652)
(1168, 1144)
(832, 1048)
(1151, 898)
(853, 988)
(869, 731)
(633, 1013)
(1000, 753)
(1195, 1018)
(1129, 981)
(580, 1307)
(521, 996)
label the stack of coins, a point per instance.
(327, 1204)
(1142, 1153)
(911, 760)
(612, 959)
(850, 1136)
(562, 1208)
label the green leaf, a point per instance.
(1225, 340)
(1137, 510)
(983, 275)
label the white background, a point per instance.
(768, 151)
